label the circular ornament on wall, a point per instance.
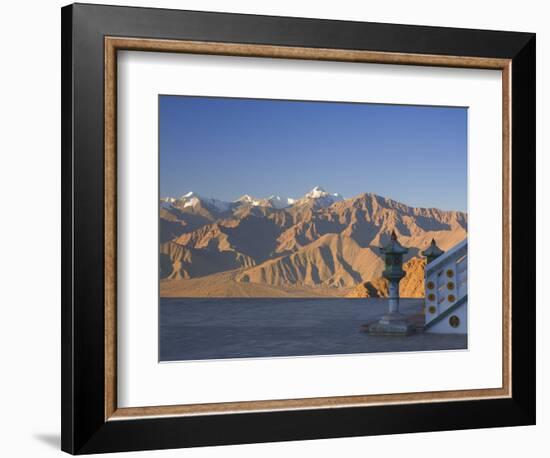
(454, 321)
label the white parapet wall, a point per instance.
(446, 283)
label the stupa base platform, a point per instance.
(393, 325)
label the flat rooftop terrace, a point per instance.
(210, 328)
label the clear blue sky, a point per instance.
(224, 148)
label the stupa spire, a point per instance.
(432, 252)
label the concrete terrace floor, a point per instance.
(194, 329)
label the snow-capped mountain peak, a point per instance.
(192, 199)
(318, 192)
(317, 197)
(166, 202)
(245, 198)
(248, 199)
(276, 202)
(192, 202)
(280, 202)
(321, 198)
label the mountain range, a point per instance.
(317, 245)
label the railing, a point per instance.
(446, 282)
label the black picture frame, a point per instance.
(84, 428)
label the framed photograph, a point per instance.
(281, 228)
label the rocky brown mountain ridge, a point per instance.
(412, 285)
(321, 241)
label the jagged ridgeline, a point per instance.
(318, 245)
